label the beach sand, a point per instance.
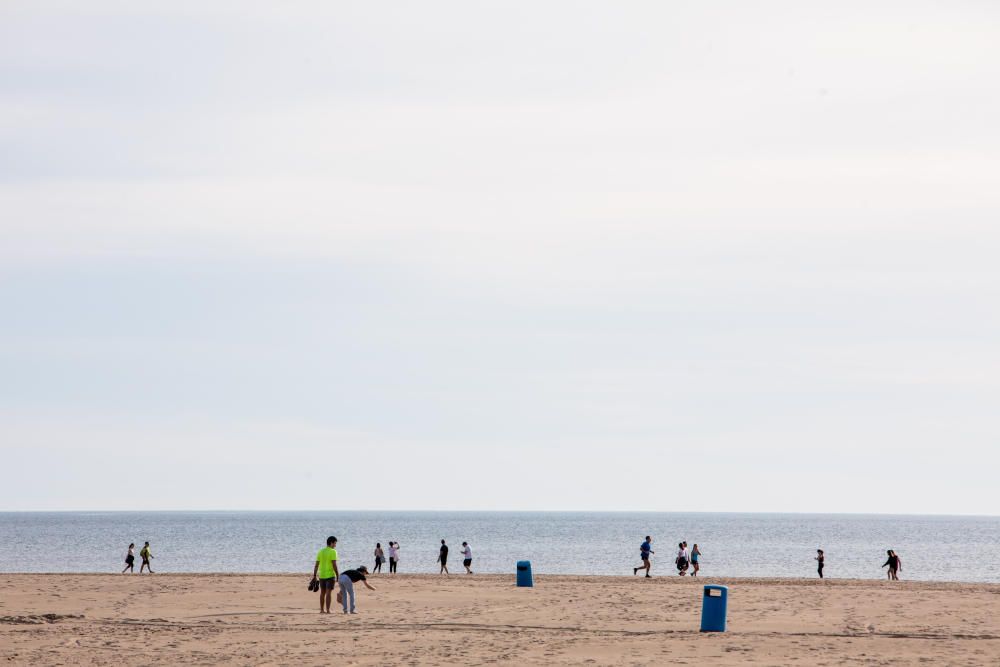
(165, 619)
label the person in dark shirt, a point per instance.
(443, 558)
(819, 562)
(347, 580)
(645, 549)
(895, 565)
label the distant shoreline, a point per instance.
(541, 578)
(466, 512)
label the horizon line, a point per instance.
(497, 511)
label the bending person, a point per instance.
(347, 580)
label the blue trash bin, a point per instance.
(713, 608)
(524, 574)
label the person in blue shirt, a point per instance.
(645, 549)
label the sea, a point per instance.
(932, 548)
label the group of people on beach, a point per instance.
(685, 559)
(893, 562)
(327, 574)
(443, 558)
(380, 557)
(144, 554)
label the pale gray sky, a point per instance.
(495, 255)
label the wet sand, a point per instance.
(190, 619)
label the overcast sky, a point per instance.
(721, 256)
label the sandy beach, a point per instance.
(419, 619)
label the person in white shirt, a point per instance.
(682, 559)
(467, 554)
(393, 556)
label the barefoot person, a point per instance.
(393, 557)
(325, 570)
(379, 557)
(820, 558)
(146, 556)
(645, 550)
(695, 555)
(467, 557)
(130, 559)
(443, 558)
(347, 580)
(895, 566)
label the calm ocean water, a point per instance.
(758, 545)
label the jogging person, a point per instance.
(146, 556)
(326, 571)
(443, 558)
(467, 555)
(645, 549)
(347, 580)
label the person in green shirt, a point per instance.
(326, 571)
(146, 556)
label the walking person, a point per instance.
(146, 556)
(645, 550)
(347, 580)
(379, 557)
(467, 557)
(443, 558)
(895, 565)
(326, 571)
(820, 558)
(695, 555)
(682, 559)
(130, 559)
(393, 557)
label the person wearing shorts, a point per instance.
(347, 580)
(695, 555)
(146, 556)
(443, 558)
(467, 554)
(326, 571)
(645, 549)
